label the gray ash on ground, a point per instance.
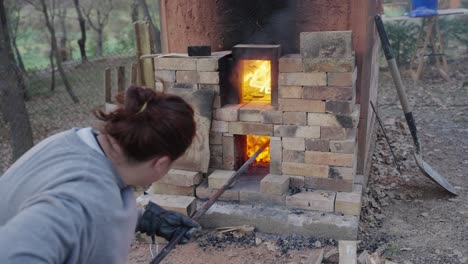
(221, 240)
(298, 242)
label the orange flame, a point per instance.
(254, 143)
(256, 82)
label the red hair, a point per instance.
(149, 124)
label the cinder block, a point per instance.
(303, 79)
(337, 133)
(165, 76)
(341, 173)
(204, 192)
(290, 143)
(317, 144)
(340, 78)
(270, 116)
(178, 64)
(187, 77)
(316, 201)
(295, 118)
(301, 105)
(326, 44)
(343, 146)
(216, 138)
(274, 184)
(339, 107)
(291, 63)
(228, 112)
(181, 178)
(207, 64)
(183, 204)
(348, 203)
(290, 91)
(328, 184)
(219, 126)
(329, 158)
(209, 77)
(331, 120)
(244, 128)
(293, 156)
(297, 131)
(329, 64)
(303, 169)
(228, 152)
(219, 178)
(328, 93)
(213, 87)
(296, 181)
(162, 188)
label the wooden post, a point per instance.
(144, 47)
(134, 76)
(120, 79)
(107, 85)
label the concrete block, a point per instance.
(290, 91)
(178, 64)
(219, 178)
(316, 201)
(270, 116)
(209, 77)
(162, 188)
(295, 118)
(274, 184)
(183, 204)
(207, 64)
(291, 63)
(187, 77)
(329, 158)
(303, 79)
(228, 112)
(182, 178)
(213, 87)
(216, 138)
(304, 169)
(244, 128)
(297, 131)
(339, 107)
(293, 156)
(204, 192)
(329, 64)
(219, 126)
(328, 93)
(347, 252)
(343, 146)
(337, 133)
(293, 143)
(331, 120)
(328, 184)
(340, 79)
(341, 173)
(326, 44)
(296, 181)
(165, 76)
(301, 105)
(317, 144)
(228, 152)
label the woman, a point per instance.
(69, 199)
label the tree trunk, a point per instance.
(99, 42)
(12, 104)
(134, 11)
(52, 70)
(57, 54)
(63, 39)
(18, 56)
(82, 40)
(156, 35)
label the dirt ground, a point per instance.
(405, 216)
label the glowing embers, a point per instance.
(256, 80)
(253, 143)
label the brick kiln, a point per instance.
(303, 104)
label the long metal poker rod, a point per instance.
(207, 205)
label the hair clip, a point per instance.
(143, 107)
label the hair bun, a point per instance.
(136, 97)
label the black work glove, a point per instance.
(161, 222)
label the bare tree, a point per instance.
(62, 22)
(13, 10)
(134, 11)
(156, 34)
(12, 104)
(42, 6)
(97, 14)
(82, 22)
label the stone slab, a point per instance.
(348, 203)
(326, 44)
(219, 178)
(204, 192)
(322, 201)
(162, 188)
(274, 184)
(347, 252)
(183, 178)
